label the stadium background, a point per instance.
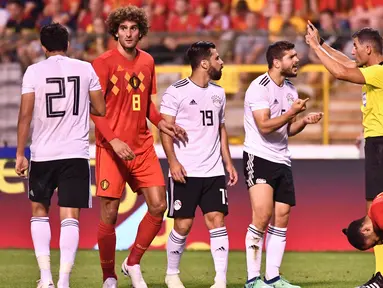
(327, 167)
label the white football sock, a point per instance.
(254, 245)
(275, 248)
(41, 237)
(175, 248)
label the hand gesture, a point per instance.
(299, 106)
(177, 171)
(312, 37)
(21, 166)
(173, 130)
(122, 149)
(313, 118)
(233, 175)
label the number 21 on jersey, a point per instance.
(136, 102)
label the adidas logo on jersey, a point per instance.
(192, 102)
(276, 101)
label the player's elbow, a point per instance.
(265, 130)
(340, 72)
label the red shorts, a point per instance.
(112, 173)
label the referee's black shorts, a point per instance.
(373, 150)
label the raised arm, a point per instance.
(337, 55)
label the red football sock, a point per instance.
(106, 238)
(147, 230)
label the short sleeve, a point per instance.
(257, 97)
(29, 83)
(94, 83)
(169, 102)
(222, 112)
(376, 211)
(373, 75)
(153, 89)
(102, 71)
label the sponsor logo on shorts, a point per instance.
(104, 184)
(177, 205)
(260, 181)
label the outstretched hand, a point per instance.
(313, 118)
(173, 130)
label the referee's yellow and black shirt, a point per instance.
(372, 106)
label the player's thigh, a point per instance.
(42, 181)
(214, 195)
(110, 174)
(74, 183)
(259, 176)
(373, 167)
(284, 191)
(183, 198)
(145, 171)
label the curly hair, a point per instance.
(127, 13)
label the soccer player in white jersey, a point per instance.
(196, 170)
(271, 106)
(55, 95)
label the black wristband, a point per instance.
(321, 41)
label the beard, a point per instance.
(288, 72)
(214, 74)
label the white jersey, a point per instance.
(200, 111)
(263, 93)
(61, 111)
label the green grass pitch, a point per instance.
(18, 268)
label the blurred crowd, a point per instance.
(241, 28)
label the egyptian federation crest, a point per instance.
(134, 81)
(217, 101)
(290, 99)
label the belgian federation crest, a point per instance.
(134, 81)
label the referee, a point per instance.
(367, 69)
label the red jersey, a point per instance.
(376, 212)
(128, 86)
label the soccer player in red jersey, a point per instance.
(367, 231)
(125, 151)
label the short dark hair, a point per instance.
(277, 51)
(199, 51)
(54, 37)
(354, 234)
(128, 13)
(329, 12)
(370, 35)
(17, 2)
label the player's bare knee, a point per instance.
(109, 210)
(281, 215)
(261, 218)
(66, 212)
(39, 210)
(157, 209)
(183, 225)
(214, 220)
